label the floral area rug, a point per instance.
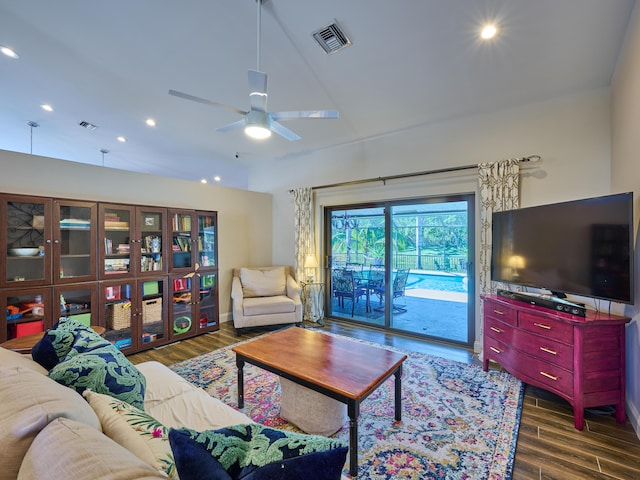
(458, 422)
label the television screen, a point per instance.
(582, 247)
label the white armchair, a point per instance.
(265, 296)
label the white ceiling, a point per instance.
(412, 62)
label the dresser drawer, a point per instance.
(500, 312)
(499, 330)
(498, 352)
(544, 348)
(548, 327)
(544, 374)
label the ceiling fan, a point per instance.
(258, 122)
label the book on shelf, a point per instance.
(183, 243)
(181, 223)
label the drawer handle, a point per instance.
(496, 350)
(496, 329)
(548, 350)
(498, 312)
(542, 325)
(548, 375)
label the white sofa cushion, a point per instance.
(73, 450)
(267, 305)
(263, 282)
(176, 403)
(30, 401)
(9, 357)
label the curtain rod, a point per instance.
(530, 158)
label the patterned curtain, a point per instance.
(499, 190)
(304, 241)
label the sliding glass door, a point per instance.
(403, 265)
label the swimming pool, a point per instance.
(437, 282)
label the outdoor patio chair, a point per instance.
(399, 286)
(345, 287)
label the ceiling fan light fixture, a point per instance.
(257, 125)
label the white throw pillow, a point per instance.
(263, 283)
(29, 402)
(135, 430)
(66, 449)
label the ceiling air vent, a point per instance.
(87, 125)
(331, 38)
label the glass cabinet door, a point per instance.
(27, 311)
(207, 244)
(117, 298)
(182, 239)
(151, 228)
(74, 241)
(208, 302)
(26, 241)
(77, 302)
(154, 312)
(181, 317)
(115, 245)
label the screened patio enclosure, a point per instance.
(403, 265)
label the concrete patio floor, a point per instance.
(436, 313)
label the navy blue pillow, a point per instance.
(79, 358)
(252, 452)
(66, 338)
(193, 460)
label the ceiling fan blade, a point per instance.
(258, 90)
(186, 96)
(305, 114)
(284, 131)
(231, 126)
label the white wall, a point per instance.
(570, 133)
(625, 150)
(244, 218)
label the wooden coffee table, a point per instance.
(340, 368)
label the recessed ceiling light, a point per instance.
(122, 139)
(151, 122)
(217, 178)
(204, 180)
(9, 52)
(47, 107)
(488, 31)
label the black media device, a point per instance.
(583, 247)
(546, 301)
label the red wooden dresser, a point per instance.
(580, 359)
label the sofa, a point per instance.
(50, 431)
(265, 296)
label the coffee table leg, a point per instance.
(240, 365)
(353, 409)
(398, 393)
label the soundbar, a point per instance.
(546, 301)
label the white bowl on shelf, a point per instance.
(23, 252)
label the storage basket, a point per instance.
(119, 315)
(152, 310)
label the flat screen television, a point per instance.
(582, 247)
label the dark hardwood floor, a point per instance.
(549, 447)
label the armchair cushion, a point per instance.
(266, 305)
(263, 282)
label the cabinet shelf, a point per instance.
(79, 263)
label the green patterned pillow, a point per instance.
(135, 430)
(104, 370)
(65, 339)
(253, 451)
(79, 358)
